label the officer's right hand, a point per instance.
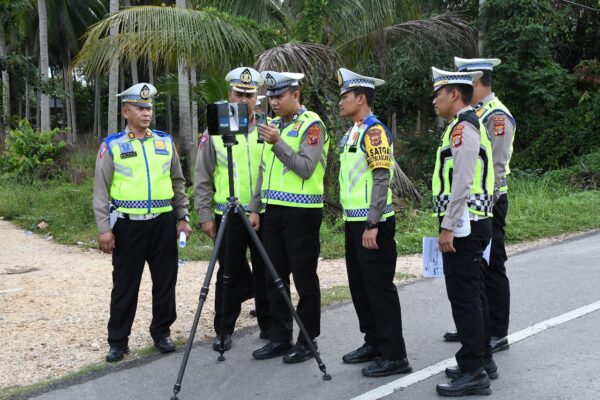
(254, 220)
(106, 242)
(208, 228)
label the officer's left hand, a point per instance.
(269, 133)
(369, 239)
(446, 241)
(183, 226)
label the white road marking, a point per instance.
(432, 370)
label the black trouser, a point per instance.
(136, 242)
(375, 297)
(465, 285)
(291, 237)
(243, 283)
(497, 286)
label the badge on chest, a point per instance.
(127, 150)
(160, 147)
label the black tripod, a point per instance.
(234, 206)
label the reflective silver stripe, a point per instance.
(123, 170)
(356, 166)
(223, 157)
(166, 167)
(358, 175)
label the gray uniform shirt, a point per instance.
(501, 143)
(302, 163)
(103, 180)
(465, 161)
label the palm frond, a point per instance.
(422, 36)
(259, 10)
(166, 35)
(309, 58)
(402, 186)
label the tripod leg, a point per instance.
(281, 287)
(201, 301)
(226, 285)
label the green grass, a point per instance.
(539, 207)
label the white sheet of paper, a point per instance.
(433, 265)
(486, 252)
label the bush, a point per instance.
(32, 154)
(583, 175)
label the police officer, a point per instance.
(140, 207)
(292, 192)
(462, 181)
(366, 169)
(212, 172)
(501, 127)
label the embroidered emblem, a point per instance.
(374, 135)
(313, 134)
(127, 150)
(160, 147)
(102, 150)
(456, 137)
(498, 126)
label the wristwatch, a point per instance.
(370, 225)
(185, 218)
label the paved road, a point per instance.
(561, 362)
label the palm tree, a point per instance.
(208, 40)
(44, 98)
(113, 76)
(185, 117)
(5, 89)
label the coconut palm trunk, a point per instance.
(44, 98)
(185, 117)
(5, 89)
(113, 78)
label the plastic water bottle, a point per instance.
(182, 239)
(463, 226)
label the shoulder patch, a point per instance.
(374, 135)
(499, 122)
(313, 134)
(456, 135)
(102, 150)
(202, 141)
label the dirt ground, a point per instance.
(54, 304)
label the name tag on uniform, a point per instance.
(292, 133)
(127, 150)
(160, 147)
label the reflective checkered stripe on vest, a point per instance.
(490, 108)
(281, 186)
(247, 156)
(482, 190)
(142, 177)
(356, 178)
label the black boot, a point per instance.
(116, 353)
(364, 353)
(271, 350)
(490, 368)
(383, 367)
(451, 337)
(469, 383)
(300, 352)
